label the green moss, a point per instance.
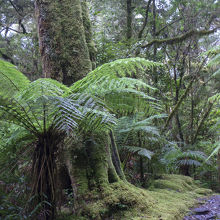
(119, 200)
(174, 195)
(169, 199)
(203, 191)
(175, 182)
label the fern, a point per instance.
(48, 112)
(215, 151)
(175, 158)
(138, 150)
(111, 83)
(129, 67)
(215, 61)
(11, 80)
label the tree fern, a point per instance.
(47, 110)
(130, 67)
(138, 150)
(111, 83)
(175, 158)
(50, 111)
(11, 80)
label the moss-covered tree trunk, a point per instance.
(90, 166)
(99, 186)
(64, 38)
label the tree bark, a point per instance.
(91, 169)
(129, 19)
(62, 41)
(92, 162)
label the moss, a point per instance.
(203, 191)
(63, 47)
(169, 199)
(175, 182)
(174, 195)
(119, 200)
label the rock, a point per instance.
(201, 211)
(211, 217)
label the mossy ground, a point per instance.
(169, 198)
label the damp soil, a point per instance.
(208, 209)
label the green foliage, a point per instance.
(48, 115)
(138, 150)
(215, 61)
(174, 158)
(114, 83)
(11, 80)
(130, 67)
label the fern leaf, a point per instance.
(11, 80)
(138, 150)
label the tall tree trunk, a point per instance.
(88, 34)
(62, 41)
(129, 19)
(93, 162)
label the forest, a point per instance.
(109, 109)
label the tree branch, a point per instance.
(181, 37)
(16, 9)
(146, 20)
(179, 103)
(6, 57)
(167, 25)
(23, 28)
(183, 96)
(211, 104)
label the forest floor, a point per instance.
(209, 209)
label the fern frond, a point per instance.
(176, 157)
(138, 150)
(215, 151)
(129, 67)
(188, 162)
(11, 80)
(83, 112)
(110, 82)
(215, 61)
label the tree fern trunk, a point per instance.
(43, 175)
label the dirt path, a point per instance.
(209, 209)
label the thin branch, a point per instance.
(211, 104)
(167, 25)
(184, 95)
(16, 9)
(22, 26)
(179, 103)
(19, 32)
(145, 21)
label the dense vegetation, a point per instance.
(108, 109)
